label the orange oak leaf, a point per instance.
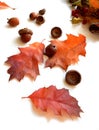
(26, 62)
(68, 51)
(94, 3)
(55, 100)
(3, 5)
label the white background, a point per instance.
(17, 113)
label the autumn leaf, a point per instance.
(68, 51)
(94, 3)
(3, 5)
(36, 49)
(56, 100)
(26, 62)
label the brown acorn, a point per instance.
(13, 22)
(25, 34)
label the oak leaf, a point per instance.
(3, 5)
(26, 62)
(58, 101)
(68, 51)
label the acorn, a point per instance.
(13, 22)
(25, 34)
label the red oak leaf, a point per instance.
(68, 51)
(3, 5)
(26, 62)
(56, 100)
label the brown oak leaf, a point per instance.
(68, 51)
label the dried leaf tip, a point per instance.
(3, 5)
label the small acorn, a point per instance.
(25, 34)
(33, 16)
(73, 77)
(13, 22)
(56, 32)
(40, 20)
